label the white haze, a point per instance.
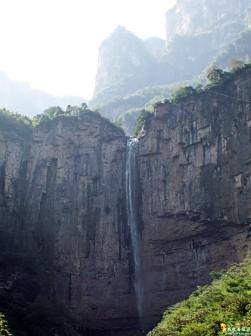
(53, 44)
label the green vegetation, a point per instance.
(132, 120)
(182, 92)
(138, 99)
(14, 121)
(4, 329)
(56, 112)
(212, 309)
(216, 76)
(143, 116)
(149, 106)
(128, 120)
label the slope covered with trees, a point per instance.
(217, 309)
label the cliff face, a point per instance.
(194, 170)
(75, 206)
(63, 201)
(63, 190)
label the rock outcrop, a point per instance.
(63, 202)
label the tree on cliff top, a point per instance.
(182, 92)
(56, 112)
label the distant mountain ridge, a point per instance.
(191, 17)
(124, 65)
(199, 34)
(20, 97)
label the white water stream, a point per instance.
(132, 214)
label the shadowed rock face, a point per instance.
(63, 200)
(72, 214)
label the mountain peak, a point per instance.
(120, 29)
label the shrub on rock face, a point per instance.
(14, 121)
(143, 116)
(182, 92)
(4, 330)
(56, 112)
(216, 76)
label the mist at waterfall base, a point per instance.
(133, 223)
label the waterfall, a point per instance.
(132, 214)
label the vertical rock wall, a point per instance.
(195, 170)
(76, 209)
(63, 202)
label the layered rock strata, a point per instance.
(63, 201)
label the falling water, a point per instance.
(132, 213)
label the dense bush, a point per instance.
(56, 111)
(210, 310)
(182, 92)
(14, 121)
(4, 329)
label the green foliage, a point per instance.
(181, 92)
(14, 121)
(226, 301)
(128, 120)
(216, 76)
(143, 116)
(149, 106)
(56, 112)
(4, 329)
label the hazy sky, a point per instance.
(53, 44)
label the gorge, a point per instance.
(102, 233)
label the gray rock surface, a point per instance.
(63, 201)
